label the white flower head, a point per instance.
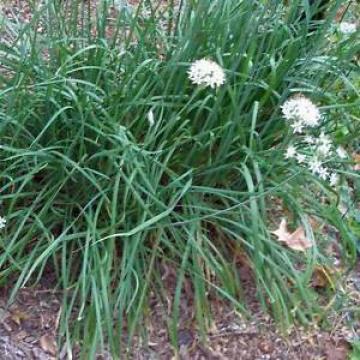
(317, 168)
(347, 28)
(301, 110)
(315, 165)
(323, 173)
(298, 127)
(150, 117)
(324, 150)
(309, 140)
(300, 158)
(2, 222)
(334, 179)
(206, 72)
(290, 152)
(324, 145)
(324, 139)
(341, 152)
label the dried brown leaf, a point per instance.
(322, 277)
(282, 232)
(48, 344)
(17, 316)
(296, 241)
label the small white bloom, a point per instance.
(298, 127)
(301, 109)
(324, 145)
(206, 72)
(315, 165)
(324, 139)
(309, 140)
(347, 28)
(2, 222)
(341, 152)
(290, 152)
(334, 179)
(301, 158)
(150, 117)
(324, 150)
(323, 173)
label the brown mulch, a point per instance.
(29, 328)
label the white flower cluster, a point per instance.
(2, 222)
(316, 153)
(347, 28)
(301, 113)
(206, 72)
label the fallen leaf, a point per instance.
(296, 240)
(322, 277)
(17, 316)
(282, 232)
(48, 344)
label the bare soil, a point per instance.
(29, 327)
